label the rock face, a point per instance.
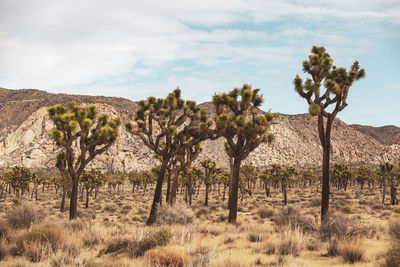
(24, 140)
(387, 135)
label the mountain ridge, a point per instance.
(24, 139)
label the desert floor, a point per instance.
(112, 231)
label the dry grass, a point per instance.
(171, 256)
(351, 250)
(111, 232)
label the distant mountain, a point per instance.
(24, 139)
(387, 135)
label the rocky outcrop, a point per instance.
(25, 140)
(387, 135)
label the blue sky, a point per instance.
(135, 49)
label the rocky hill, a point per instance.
(387, 135)
(24, 128)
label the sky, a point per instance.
(135, 49)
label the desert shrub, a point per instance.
(313, 244)
(290, 243)
(393, 254)
(201, 212)
(110, 208)
(201, 256)
(116, 245)
(3, 248)
(4, 229)
(265, 212)
(23, 216)
(156, 239)
(351, 250)
(256, 233)
(177, 214)
(270, 247)
(171, 256)
(39, 239)
(333, 248)
(291, 216)
(343, 226)
(125, 209)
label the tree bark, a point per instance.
(206, 199)
(325, 182)
(74, 199)
(157, 195)
(233, 193)
(62, 206)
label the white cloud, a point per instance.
(59, 44)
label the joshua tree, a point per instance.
(91, 180)
(326, 103)
(82, 135)
(183, 160)
(250, 174)
(210, 169)
(387, 175)
(167, 126)
(340, 175)
(19, 179)
(244, 128)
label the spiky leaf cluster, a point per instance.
(328, 85)
(94, 133)
(238, 117)
(171, 124)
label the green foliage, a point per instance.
(233, 110)
(336, 81)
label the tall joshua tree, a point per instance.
(326, 103)
(244, 128)
(210, 169)
(167, 126)
(82, 135)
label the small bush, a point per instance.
(265, 212)
(116, 245)
(4, 230)
(177, 214)
(201, 212)
(40, 236)
(171, 256)
(313, 244)
(23, 216)
(125, 209)
(4, 246)
(157, 239)
(291, 216)
(332, 248)
(344, 227)
(393, 255)
(351, 250)
(290, 243)
(110, 208)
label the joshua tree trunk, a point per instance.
(63, 199)
(325, 138)
(207, 190)
(74, 199)
(284, 189)
(87, 198)
(393, 197)
(174, 186)
(384, 190)
(233, 193)
(168, 187)
(157, 195)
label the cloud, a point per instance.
(61, 44)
